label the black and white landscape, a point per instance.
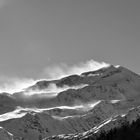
(52, 87)
(84, 106)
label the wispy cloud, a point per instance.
(52, 90)
(11, 85)
(62, 70)
(16, 84)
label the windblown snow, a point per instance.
(74, 106)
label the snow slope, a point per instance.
(105, 126)
(76, 105)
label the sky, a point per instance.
(36, 35)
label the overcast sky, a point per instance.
(35, 34)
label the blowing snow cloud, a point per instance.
(11, 85)
(62, 70)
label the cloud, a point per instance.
(62, 70)
(11, 85)
(52, 90)
(16, 84)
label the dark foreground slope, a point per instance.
(126, 132)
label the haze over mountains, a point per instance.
(72, 107)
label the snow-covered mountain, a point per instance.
(104, 127)
(74, 107)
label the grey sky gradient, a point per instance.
(35, 34)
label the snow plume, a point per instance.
(87, 106)
(11, 85)
(62, 70)
(18, 113)
(52, 90)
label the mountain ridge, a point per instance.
(72, 104)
